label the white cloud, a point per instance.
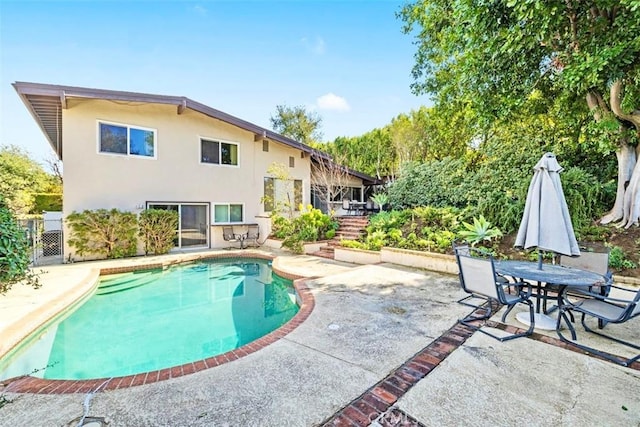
(317, 46)
(200, 10)
(331, 101)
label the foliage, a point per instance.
(619, 260)
(157, 228)
(21, 177)
(312, 225)
(497, 57)
(423, 228)
(478, 232)
(380, 199)
(297, 123)
(14, 252)
(50, 202)
(102, 232)
(372, 153)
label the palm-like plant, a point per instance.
(479, 231)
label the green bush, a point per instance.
(14, 252)
(47, 202)
(310, 226)
(158, 230)
(102, 232)
(619, 260)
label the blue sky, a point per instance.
(347, 60)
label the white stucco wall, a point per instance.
(94, 180)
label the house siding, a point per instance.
(94, 180)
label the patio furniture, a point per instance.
(369, 207)
(478, 278)
(597, 262)
(229, 236)
(346, 206)
(619, 306)
(253, 234)
(543, 274)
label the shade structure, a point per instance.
(546, 223)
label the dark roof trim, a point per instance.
(320, 156)
(45, 103)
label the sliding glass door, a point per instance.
(193, 223)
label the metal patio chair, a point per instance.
(594, 261)
(229, 236)
(253, 234)
(619, 306)
(479, 279)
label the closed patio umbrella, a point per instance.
(546, 223)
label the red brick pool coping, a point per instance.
(29, 384)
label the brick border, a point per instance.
(28, 384)
(376, 404)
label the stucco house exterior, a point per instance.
(133, 151)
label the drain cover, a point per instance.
(88, 422)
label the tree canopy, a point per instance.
(297, 123)
(21, 178)
(493, 56)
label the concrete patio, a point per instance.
(368, 322)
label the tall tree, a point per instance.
(494, 55)
(297, 123)
(21, 178)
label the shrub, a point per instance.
(619, 260)
(478, 232)
(312, 225)
(158, 230)
(14, 252)
(47, 202)
(107, 233)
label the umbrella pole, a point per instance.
(539, 259)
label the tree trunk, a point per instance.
(626, 164)
(627, 205)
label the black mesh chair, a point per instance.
(479, 279)
(618, 306)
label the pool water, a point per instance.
(149, 320)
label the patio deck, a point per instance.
(381, 347)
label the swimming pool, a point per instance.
(154, 319)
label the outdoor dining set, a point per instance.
(576, 283)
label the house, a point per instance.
(133, 151)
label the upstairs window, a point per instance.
(126, 140)
(218, 153)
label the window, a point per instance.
(219, 153)
(281, 192)
(297, 193)
(126, 140)
(265, 145)
(269, 194)
(227, 213)
(292, 161)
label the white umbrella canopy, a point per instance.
(546, 223)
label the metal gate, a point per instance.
(45, 240)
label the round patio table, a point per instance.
(549, 273)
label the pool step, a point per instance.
(117, 284)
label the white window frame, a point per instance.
(220, 142)
(128, 153)
(228, 204)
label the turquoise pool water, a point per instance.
(149, 320)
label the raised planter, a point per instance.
(309, 248)
(356, 256)
(443, 263)
(313, 247)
